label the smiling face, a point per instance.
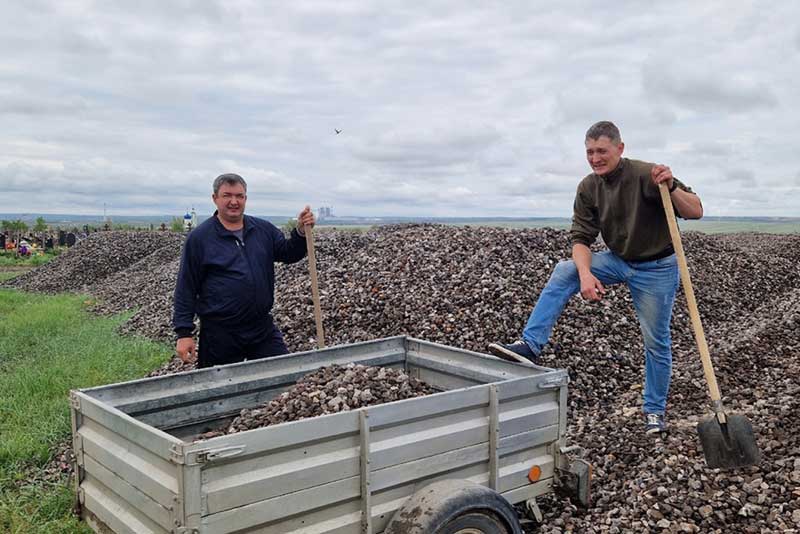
(603, 154)
(230, 201)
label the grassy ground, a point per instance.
(7, 273)
(708, 226)
(49, 345)
(12, 265)
(8, 258)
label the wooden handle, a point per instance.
(312, 269)
(694, 314)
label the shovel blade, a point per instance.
(728, 445)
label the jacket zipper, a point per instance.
(241, 246)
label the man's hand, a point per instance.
(687, 204)
(186, 349)
(661, 173)
(306, 218)
(591, 287)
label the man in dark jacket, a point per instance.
(227, 278)
(621, 201)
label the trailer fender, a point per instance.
(452, 507)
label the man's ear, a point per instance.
(621, 147)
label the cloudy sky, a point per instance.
(446, 108)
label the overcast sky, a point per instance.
(446, 108)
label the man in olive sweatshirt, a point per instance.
(621, 201)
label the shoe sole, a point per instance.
(656, 431)
(507, 355)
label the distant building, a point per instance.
(324, 212)
(190, 220)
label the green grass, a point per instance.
(354, 228)
(8, 275)
(708, 226)
(560, 224)
(49, 345)
(8, 258)
(712, 226)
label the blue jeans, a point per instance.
(652, 285)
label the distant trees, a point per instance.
(40, 226)
(15, 228)
(289, 225)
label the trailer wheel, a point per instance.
(474, 523)
(455, 507)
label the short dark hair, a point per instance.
(604, 128)
(230, 179)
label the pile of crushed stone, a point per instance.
(330, 389)
(467, 287)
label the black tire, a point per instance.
(455, 507)
(474, 523)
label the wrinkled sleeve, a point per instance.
(683, 186)
(652, 189)
(289, 250)
(584, 221)
(686, 188)
(187, 287)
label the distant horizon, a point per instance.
(113, 217)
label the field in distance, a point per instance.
(711, 225)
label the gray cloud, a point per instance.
(742, 176)
(41, 105)
(444, 108)
(703, 90)
(427, 148)
(711, 148)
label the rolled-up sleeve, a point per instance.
(584, 220)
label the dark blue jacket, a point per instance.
(227, 281)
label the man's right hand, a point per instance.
(186, 349)
(591, 287)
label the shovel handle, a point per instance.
(312, 269)
(691, 302)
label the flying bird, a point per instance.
(337, 131)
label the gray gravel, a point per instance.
(467, 287)
(328, 390)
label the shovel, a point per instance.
(312, 269)
(727, 439)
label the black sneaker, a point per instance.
(519, 351)
(654, 423)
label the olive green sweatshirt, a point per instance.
(625, 207)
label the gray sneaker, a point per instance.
(519, 351)
(655, 423)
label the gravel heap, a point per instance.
(467, 287)
(327, 390)
(94, 259)
(153, 276)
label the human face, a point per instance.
(230, 201)
(603, 155)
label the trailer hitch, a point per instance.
(576, 482)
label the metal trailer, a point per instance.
(139, 468)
